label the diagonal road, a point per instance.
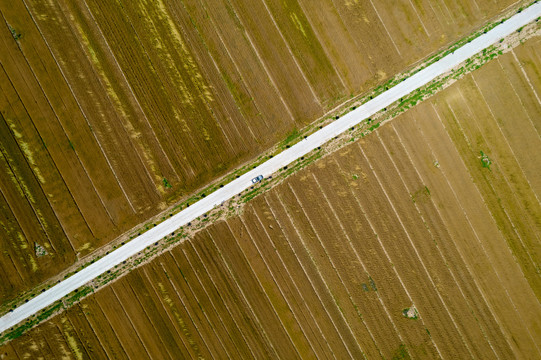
(269, 167)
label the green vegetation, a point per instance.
(166, 184)
(485, 160)
(421, 194)
(401, 353)
(16, 35)
(291, 137)
(20, 329)
(372, 284)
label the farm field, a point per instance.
(326, 264)
(111, 111)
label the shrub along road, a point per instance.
(269, 167)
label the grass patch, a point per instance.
(485, 160)
(166, 184)
(401, 353)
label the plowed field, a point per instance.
(113, 110)
(328, 263)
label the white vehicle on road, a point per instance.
(257, 179)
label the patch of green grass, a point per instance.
(401, 353)
(29, 323)
(485, 160)
(166, 183)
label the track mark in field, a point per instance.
(380, 243)
(84, 116)
(515, 159)
(127, 133)
(249, 38)
(23, 190)
(237, 68)
(318, 101)
(181, 35)
(387, 30)
(323, 44)
(263, 289)
(361, 48)
(493, 190)
(342, 282)
(174, 143)
(526, 76)
(127, 83)
(217, 313)
(408, 236)
(327, 288)
(313, 288)
(419, 17)
(292, 279)
(350, 243)
(440, 252)
(241, 291)
(126, 315)
(216, 289)
(527, 115)
(197, 313)
(189, 313)
(271, 273)
(502, 172)
(161, 302)
(475, 232)
(135, 299)
(455, 246)
(218, 71)
(194, 294)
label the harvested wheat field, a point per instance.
(420, 240)
(111, 111)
